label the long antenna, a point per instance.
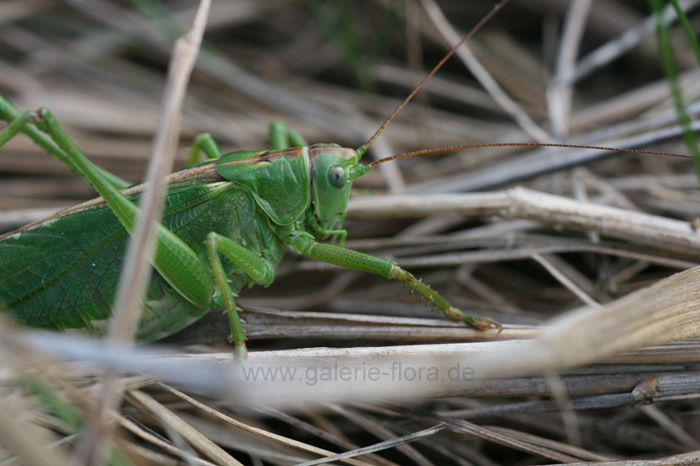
(522, 144)
(363, 148)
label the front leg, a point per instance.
(338, 234)
(304, 244)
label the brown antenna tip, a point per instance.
(363, 148)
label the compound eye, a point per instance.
(338, 177)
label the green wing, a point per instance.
(62, 273)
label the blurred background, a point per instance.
(333, 70)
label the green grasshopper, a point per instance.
(226, 223)
(61, 272)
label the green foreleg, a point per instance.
(304, 244)
(337, 234)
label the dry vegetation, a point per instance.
(521, 236)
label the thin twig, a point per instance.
(137, 267)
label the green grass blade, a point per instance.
(685, 23)
(668, 62)
(341, 28)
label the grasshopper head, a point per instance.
(332, 171)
